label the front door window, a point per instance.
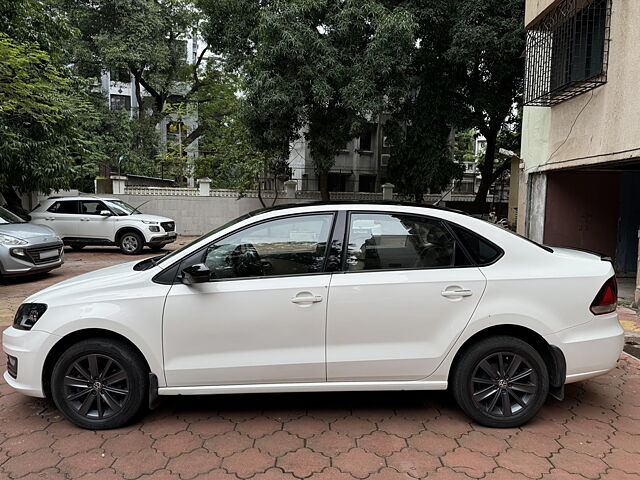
(286, 246)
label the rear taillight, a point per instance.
(606, 300)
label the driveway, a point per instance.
(594, 433)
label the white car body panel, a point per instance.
(382, 345)
(246, 331)
(214, 337)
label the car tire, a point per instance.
(131, 243)
(77, 246)
(100, 383)
(500, 382)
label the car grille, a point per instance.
(34, 253)
(168, 226)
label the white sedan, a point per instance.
(324, 297)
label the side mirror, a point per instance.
(105, 213)
(197, 273)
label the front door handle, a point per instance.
(459, 292)
(306, 299)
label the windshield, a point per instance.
(121, 208)
(7, 217)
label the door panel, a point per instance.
(408, 292)
(94, 225)
(246, 331)
(396, 325)
(262, 317)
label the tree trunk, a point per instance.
(487, 176)
(139, 97)
(323, 178)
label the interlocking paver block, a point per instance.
(579, 463)
(229, 443)
(474, 464)
(358, 462)
(248, 462)
(303, 462)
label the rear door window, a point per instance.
(389, 241)
(64, 206)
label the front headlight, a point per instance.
(27, 315)
(149, 222)
(9, 240)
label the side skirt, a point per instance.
(303, 387)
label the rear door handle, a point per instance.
(307, 299)
(460, 292)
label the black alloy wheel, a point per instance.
(100, 383)
(503, 384)
(96, 386)
(500, 381)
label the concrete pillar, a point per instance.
(204, 186)
(118, 182)
(290, 187)
(387, 191)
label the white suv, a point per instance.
(90, 220)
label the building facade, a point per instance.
(580, 168)
(361, 166)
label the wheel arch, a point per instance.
(122, 230)
(552, 355)
(75, 337)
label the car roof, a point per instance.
(81, 197)
(352, 203)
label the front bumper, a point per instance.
(590, 349)
(30, 348)
(162, 239)
(12, 264)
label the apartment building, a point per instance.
(580, 168)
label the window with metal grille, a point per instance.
(567, 51)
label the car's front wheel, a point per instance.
(99, 383)
(500, 382)
(131, 243)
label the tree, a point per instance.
(421, 128)
(146, 40)
(319, 68)
(38, 111)
(488, 42)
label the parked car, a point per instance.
(324, 297)
(86, 220)
(25, 248)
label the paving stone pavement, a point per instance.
(594, 434)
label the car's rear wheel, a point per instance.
(99, 383)
(500, 382)
(131, 243)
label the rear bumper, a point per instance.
(590, 349)
(30, 348)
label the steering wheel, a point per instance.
(246, 261)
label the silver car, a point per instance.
(27, 248)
